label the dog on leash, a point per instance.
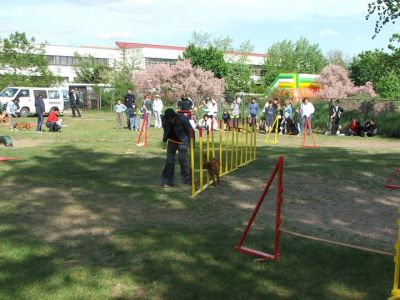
(22, 125)
(212, 166)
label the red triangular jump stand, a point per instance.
(275, 256)
(389, 181)
(307, 125)
(145, 129)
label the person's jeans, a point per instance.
(132, 122)
(303, 121)
(40, 121)
(169, 169)
(149, 113)
(128, 118)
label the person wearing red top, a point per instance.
(52, 121)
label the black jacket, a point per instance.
(129, 100)
(39, 105)
(71, 100)
(182, 130)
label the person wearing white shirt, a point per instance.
(307, 109)
(212, 108)
(157, 108)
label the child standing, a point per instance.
(132, 118)
(120, 110)
(270, 115)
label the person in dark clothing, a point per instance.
(40, 110)
(177, 133)
(74, 103)
(369, 129)
(185, 106)
(335, 113)
(226, 117)
(129, 102)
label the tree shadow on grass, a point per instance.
(85, 222)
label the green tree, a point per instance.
(370, 66)
(388, 86)
(24, 62)
(288, 57)
(209, 58)
(89, 70)
(337, 57)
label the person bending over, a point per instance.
(177, 134)
(53, 122)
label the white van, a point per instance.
(52, 98)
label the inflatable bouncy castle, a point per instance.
(299, 85)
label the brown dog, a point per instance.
(22, 125)
(213, 169)
(3, 118)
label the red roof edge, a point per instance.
(127, 45)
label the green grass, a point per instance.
(82, 216)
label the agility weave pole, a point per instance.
(389, 181)
(144, 129)
(307, 125)
(230, 153)
(395, 290)
(278, 169)
(275, 126)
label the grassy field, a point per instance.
(82, 216)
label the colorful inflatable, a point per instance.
(301, 85)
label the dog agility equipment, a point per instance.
(307, 126)
(274, 127)
(278, 169)
(234, 148)
(144, 130)
(389, 182)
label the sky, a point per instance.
(333, 24)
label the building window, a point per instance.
(155, 61)
(51, 59)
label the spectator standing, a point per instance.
(74, 103)
(40, 109)
(335, 113)
(253, 111)
(149, 109)
(307, 109)
(235, 112)
(287, 114)
(11, 109)
(297, 120)
(212, 108)
(157, 108)
(177, 134)
(120, 109)
(185, 106)
(129, 102)
(270, 115)
(143, 113)
(226, 118)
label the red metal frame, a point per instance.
(388, 183)
(144, 127)
(275, 256)
(307, 125)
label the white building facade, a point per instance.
(61, 58)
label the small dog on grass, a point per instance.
(22, 125)
(212, 166)
(3, 118)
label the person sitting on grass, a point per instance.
(204, 122)
(53, 122)
(369, 129)
(177, 133)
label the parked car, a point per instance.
(52, 98)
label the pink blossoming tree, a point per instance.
(173, 81)
(335, 83)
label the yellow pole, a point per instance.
(255, 143)
(212, 139)
(237, 148)
(395, 290)
(226, 150)
(251, 142)
(231, 147)
(241, 143)
(192, 162)
(247, 140)
(201, 181)
(276, 129)
(208, 155)
(220, 148)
